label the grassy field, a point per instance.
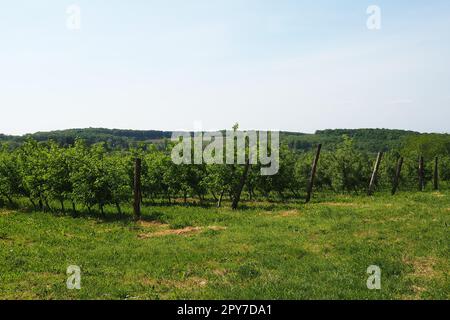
(263, 251)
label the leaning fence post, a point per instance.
(374, 173)
(397, 175)
(313, 174)
(421, 174)
(436, 173)
(137, 189)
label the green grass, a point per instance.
(264, 251)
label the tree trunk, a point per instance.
(62, 206)
(281, 195)
(119, 210)
(9, 199)
(421, 174)
(294, 192)
(219, 203)
(33, 203)
(237, 196)
(74, 208)
(137, 189)
(47, 205)
(397, 175)
(250, 194)
(436, 173)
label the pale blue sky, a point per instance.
(289, 65)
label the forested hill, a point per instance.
(371, 140)
(116, 138)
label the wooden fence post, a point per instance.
(397, 175)
(313, 174)
(436, 173)
(374, 173)
(421, 174)
(137, 189)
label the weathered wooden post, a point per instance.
(313, 174)
(397, 175)
(421, 174)
(237, 195)
(374, 173)
(436, 173)
(137, 189)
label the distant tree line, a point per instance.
(95, 176)
(369, 140)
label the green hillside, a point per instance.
(370, 140)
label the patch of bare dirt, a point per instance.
(365, 233)
(184, 231)
(220, 272)
(423, 266)
(5, 213)
(398, 219)
(418, 289)
(69, 235)
(189, 283)
(438, 194)
(423, 269)
(416, 295)
(319, 248)
(151, 224)
(339, 204)
(216, 228)
(289, 213)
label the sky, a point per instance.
(288, 65)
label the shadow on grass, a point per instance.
(150, 209)
(148, 213)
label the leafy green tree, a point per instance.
(351, 168)
(219, 179)
(284, 180)
(154, 165)
(83, 174)
(57, 177)
(115, 172)
(33, 161)
(444, 168)
(10, 175)
(387, 171)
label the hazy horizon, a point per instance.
(243, 129)
(296, 66)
